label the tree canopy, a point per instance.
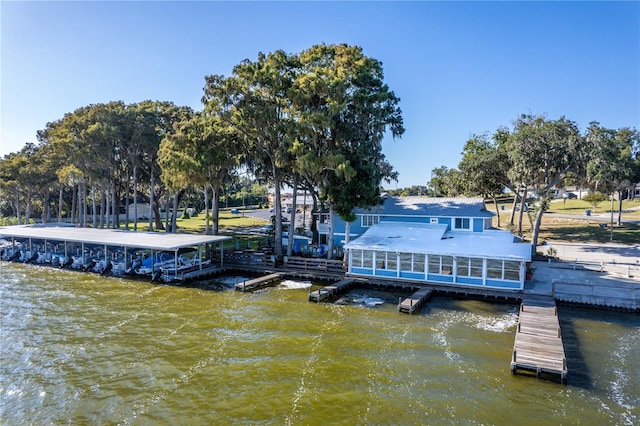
(540, 155)
(313, 120)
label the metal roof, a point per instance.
(111, 237)
(429, 238)
(430, 207)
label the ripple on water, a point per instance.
(80, 349)
(294, 285)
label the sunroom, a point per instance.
(430, 253)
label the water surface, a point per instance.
(82, 349)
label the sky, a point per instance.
(459, 68)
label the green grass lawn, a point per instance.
(577, 230)
(228, 222)
(578, 207)
(580, 231)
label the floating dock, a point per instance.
(190, 273)
(258, 283)
(538, 345)
(330, 290)
(415, 301)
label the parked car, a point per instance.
(267, 229)
(569, 195)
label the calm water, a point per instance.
(82, 349)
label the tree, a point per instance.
(343, 109)
(446, 182)
(199, 155)
(483, 168)
(10, 182)
(254, 101)
(412, 191)
(179, 163)
(614, 161)
(594, 198)
(542, 153)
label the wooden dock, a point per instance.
(257, 283)
(415, 301)
(538, 345)
(330, 290)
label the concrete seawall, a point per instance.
(596, 275)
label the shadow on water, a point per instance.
(219, 283)
(578, 374)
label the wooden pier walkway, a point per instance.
(415, 301)
(330, 290)
(257, 283)
(538, 344)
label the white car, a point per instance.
(267, 229)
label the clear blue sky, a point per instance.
(459, 68)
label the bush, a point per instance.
(552, 253)
(595, 198)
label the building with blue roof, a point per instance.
(439, 240)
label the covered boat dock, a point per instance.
(76, 241)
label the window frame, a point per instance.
(368, 220)
(462, 226)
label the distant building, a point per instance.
(302, 203)
(144, 209)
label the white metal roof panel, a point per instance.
(111, 237)
(433, 239)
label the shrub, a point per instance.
(7, 221)
(594, 198)
(551, 252)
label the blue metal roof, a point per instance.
(430, 207)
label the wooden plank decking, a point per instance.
(415, 301)
(257, 283)
(329, 290)
(538, 344)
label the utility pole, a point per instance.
(611, 226)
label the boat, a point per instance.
(189, 264)
(155, 262)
